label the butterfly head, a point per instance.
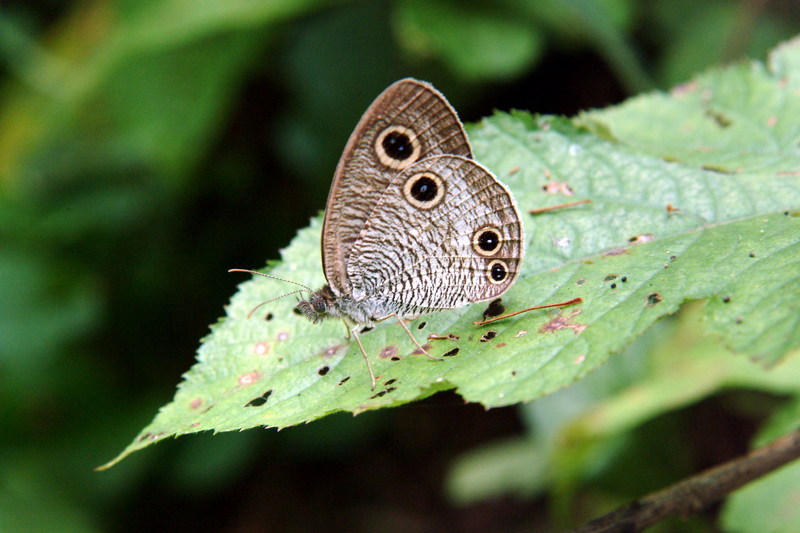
(319, 305)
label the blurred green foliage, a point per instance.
(148, 145)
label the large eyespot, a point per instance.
(487, 241)
(497, 272)
(424, 190)
(397, 147)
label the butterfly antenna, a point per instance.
(253, 310)
(272, 277)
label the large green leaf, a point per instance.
(674, 218)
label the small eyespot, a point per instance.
(424, 190)
(497, 272)
(397, 147)
(487, 241)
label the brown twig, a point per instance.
(697, 492)
(515, 313)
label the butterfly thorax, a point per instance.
(325, 303)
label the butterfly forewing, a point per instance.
(408, 122)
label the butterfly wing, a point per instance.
(444, 233)
(408, 122)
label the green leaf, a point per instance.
(658, 233)
(767, 504)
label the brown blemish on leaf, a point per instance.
(672, 209)
(520, 333)
(643, 238)
(196, 403)
(426, 347)
(330, 351)
(261, 348)
(514, 170)
(654, 298)
(489, 335)
(245, 380)
(377, 394)
(614, 252)
(581, 281)
(562, 321)
(610, 277)
(558, 187)
(389, 351)
(580, 359)
(771, 121)
(500, 345)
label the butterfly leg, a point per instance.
(354, 331)
(405, 327)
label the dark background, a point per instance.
(148, 146)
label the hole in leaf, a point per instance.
(489, 335)
(451, 353)
(323, 370)
(654, 299)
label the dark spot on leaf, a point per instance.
(609, 277)
(389, 382)
(377, 395)
(395, 358)
(489, 335)
(726, 299)
(581, 281)
(256, 402)
(422, 325)
(323, 370)
(389, 351)
(366, 329)
(269, 316)
(739, 320)
(494, 308)
(720, 118)
(673, 257)
(297, 311)
(259, 401)
(654, 299)
(752, 254)
(451, 353)
(453, 337)
(390, 390)
(143, 437)
(613, 285)
(623, 279)
(514, 373)
(562, 321)
(343, 380)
